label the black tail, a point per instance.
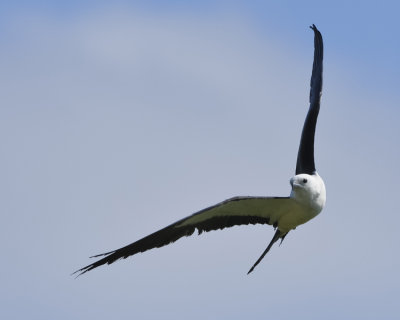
(276, 237)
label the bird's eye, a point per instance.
(304, 180)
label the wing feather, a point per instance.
(231, 212)
(305, 157)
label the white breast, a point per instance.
(309, 195)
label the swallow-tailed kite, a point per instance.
(306, 199)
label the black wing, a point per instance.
(231, 212)
(305, 157)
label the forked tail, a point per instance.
(277, 235)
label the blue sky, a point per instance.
(117, 120)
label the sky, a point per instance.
(119, 119)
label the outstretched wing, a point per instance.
(231, 212)
(305, 156)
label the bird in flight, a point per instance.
(306, 199)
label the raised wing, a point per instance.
(231, 212)
(305, 156)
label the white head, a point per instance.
(309, 190)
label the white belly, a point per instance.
(296, 217)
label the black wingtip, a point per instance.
(77, 273)
(102, 254)
(81, 271)
(316, 31)
(108, 259)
